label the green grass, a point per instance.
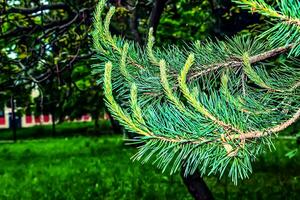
(80, 168)
(100, 168)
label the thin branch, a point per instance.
(26, 11)
(275, 129)
(233, 63)
(242, 137)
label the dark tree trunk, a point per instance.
(53, 123)
(196, 186)
(13, 118)
(157, 10)
(133, 23)
(96, 112)
(96, 122)
(117, 128)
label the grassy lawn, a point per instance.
(100, 168)
(80, 168)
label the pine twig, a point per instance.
(233, 63)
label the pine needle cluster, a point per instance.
(212, 106)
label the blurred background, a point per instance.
(57, 141)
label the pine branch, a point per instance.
(102, 36)
(287, 17)
(193, 101)
(242, 136)
(216, 118)
(115, 108)
(263, 8)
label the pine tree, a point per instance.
(211, 106)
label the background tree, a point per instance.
(45, 45)
(44, 42)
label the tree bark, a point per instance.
(96, 120)
(133, 23)
(13, 118)
(117, 128)
(156, 13)
(53, 123)
(197, 186)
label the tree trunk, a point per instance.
(117, 128)
(53, 123)
(196, 186)
(13, 118)
(96, 123)
(133, 23)
(157, 10)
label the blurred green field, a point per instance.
(100, 168)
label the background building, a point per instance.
(28, 120)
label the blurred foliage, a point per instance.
(185, 20)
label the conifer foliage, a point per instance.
(212, 106)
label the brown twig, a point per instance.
(275, 129)
(234, 63)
